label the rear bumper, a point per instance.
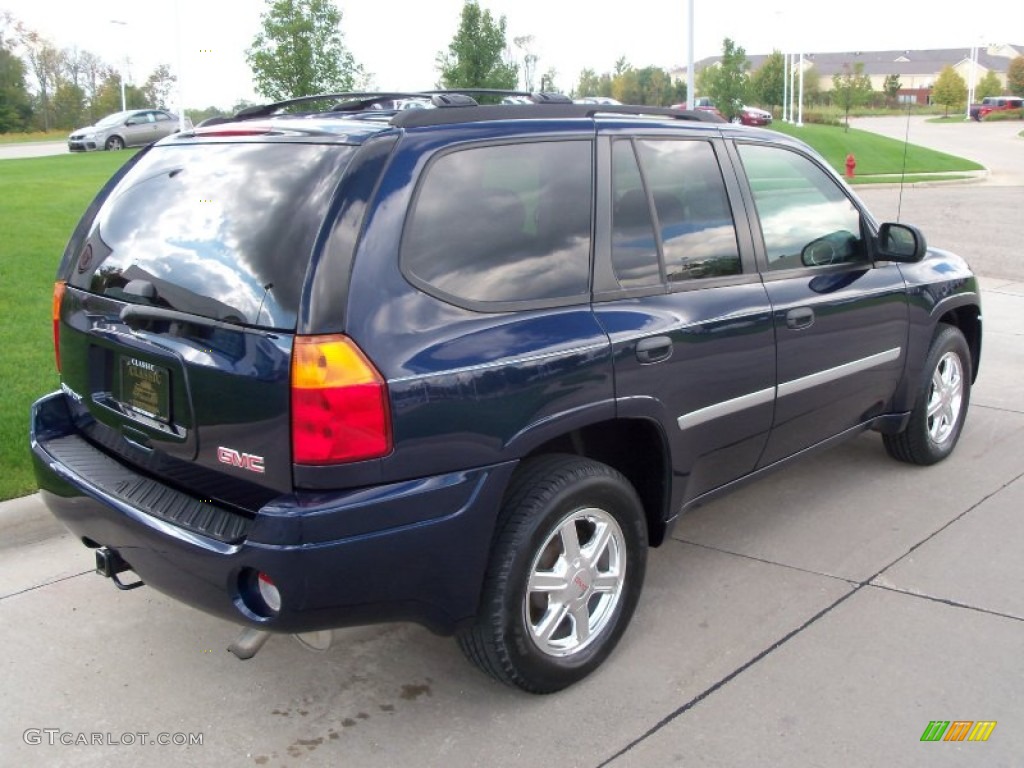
(407, 551)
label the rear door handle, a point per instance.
(654, 350)
(801, 317)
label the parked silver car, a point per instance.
(132, 128)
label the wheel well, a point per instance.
(968, 320)
(635, 448)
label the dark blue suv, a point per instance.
(464, 365)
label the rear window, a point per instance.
(224, 231)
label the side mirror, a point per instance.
(901, 242)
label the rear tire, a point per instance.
(941, 405)
(565, 574)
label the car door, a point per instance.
(677, 291)
(165, 124)
(840, 320)
(142, 129)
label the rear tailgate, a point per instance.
(178, 320)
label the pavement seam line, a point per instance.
(45, 584)
(956, 519)
(722, 682)
(730, 677)
(852, 582)
(946, 601)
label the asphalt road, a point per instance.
(821, 617)
(980, 221)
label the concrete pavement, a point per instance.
(823, 616)
(33, 149)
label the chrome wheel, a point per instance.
(575, 582)
(558, 594)
(941, 402)
(945, 399)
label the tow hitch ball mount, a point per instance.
(109, 564)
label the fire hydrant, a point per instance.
(851, 164)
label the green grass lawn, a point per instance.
(43, 198)
(874, 153)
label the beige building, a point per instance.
(916, 69)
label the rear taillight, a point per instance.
(58, 297)
(340, 409)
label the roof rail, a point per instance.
(483, 113)
(543, 105)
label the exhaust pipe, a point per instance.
(248, 643)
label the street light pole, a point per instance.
(124, 104)
(689, 64)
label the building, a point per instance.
(916, 69)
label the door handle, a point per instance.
(654, 350)
(801, 317)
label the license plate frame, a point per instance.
(146, 389)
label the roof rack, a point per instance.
(450, 105)
(483, 113)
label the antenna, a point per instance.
(906, 144)
(266, 290)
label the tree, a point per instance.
(589, 84)
(989, 85)
(476, 55)
(766, 84)
(300, 51)
(950, 90)
(727, 83)
(1015, 76)
(158, 86)
(68, 106)
(891, 87)
(525, 44)
(547, 80)
(15, 100)
(851, 89)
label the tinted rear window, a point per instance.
(219, 230)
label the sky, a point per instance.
(204, 41)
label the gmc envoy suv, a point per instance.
(465, 365)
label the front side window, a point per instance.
(806, 219)
(504, 223)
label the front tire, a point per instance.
(565, 574)
(941, 406)
(115, 143)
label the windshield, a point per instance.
(114, 119)
(225, 231)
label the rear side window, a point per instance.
(499, 224)
(224, 231)
(691, 213)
